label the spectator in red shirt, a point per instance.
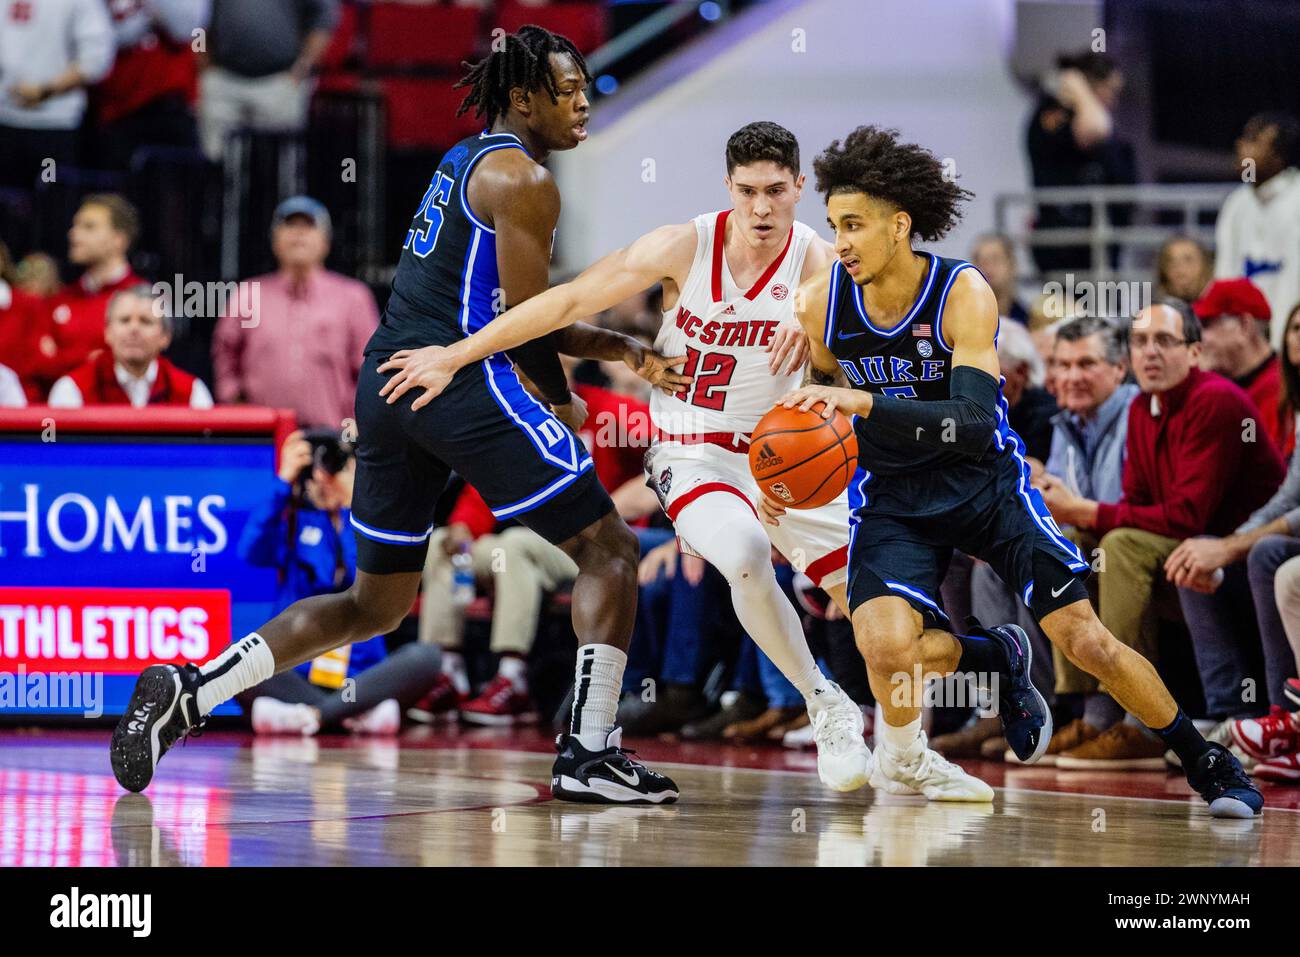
(1234, 316)
(1189, 470)
(72, 326)
(19, 314)
(132, 370)
(148, 97)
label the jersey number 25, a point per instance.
(421, 240)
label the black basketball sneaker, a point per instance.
(608, 776)
(1026, 719)
(1219, 779)
(164, 708)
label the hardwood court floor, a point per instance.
(482, 798)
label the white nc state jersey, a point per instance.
(724, 332)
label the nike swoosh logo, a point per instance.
(1056, 592)
(631, 780)
(851, 335)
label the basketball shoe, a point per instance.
(843, 761)
(1026, 718)
(501, 703)
(919, 770)
(1269, 737)
(1219, 779)
(163, 709)
(608, 776)
(440, 703)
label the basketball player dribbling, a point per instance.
(914, 335)
(483, 228)
(729, 279)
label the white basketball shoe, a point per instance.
(843, 759)
(918, 770)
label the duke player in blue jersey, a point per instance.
(904, 341)
(479, 242)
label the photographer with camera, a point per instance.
(302, 531)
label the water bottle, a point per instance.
(463, 588)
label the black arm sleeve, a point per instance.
(964, 423)
(540, 363)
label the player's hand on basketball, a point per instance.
(430, 369)
(656, 369)
(572, 413)
(831, 398)
(788, 350)
(770, 511)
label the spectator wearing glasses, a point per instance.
(1187, 472)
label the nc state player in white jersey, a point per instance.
(730, 280)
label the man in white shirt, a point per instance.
(1258, 231)
(50, 50)
(132, 370)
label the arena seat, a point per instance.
(405, 35)
(421, 113)
(342, 47)
(583, 23)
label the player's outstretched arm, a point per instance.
(585, 341)
(618, 276)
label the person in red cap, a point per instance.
(1235, 343)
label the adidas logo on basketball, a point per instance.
(767, 458)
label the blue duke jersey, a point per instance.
(910, 361)
(446, 285)
(484, 425)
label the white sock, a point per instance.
(898, 738)
(598, 678)
(245, 663)
(515, 670)
(453, 666)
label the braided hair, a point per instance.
(523, 61)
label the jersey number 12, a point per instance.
(712, 372)
(421, 240)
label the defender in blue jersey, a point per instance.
(913, 337)
(479, 243)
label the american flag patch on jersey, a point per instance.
(921, 330)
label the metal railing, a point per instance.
(1156, 212)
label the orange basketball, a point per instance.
(801, 459)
